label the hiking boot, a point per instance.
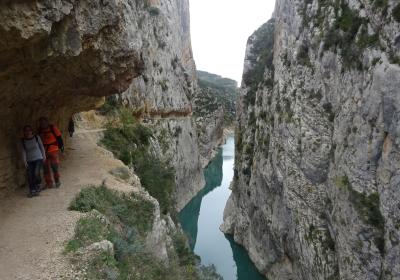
(58, 184)
(30, 195)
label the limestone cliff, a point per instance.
(162, 94)
(58, 57)
(61, 57)
(315, 194)
(214, 112)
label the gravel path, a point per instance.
(33, 231)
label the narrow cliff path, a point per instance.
(33, 231)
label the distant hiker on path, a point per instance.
(33, 156)
(71, 127)
(53, 144)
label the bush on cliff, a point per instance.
(130, 141)
(119, 207)
(396, 13)
(125, 220)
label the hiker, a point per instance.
(71, 127)
(53, 144)
(33, 156)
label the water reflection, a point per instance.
(190, 215)
(245, 267)
(202, 217)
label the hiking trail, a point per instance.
(33, 232)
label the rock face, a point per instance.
(211, 135)
(162, 94)
(61, 57)
(209, 118)
(214, 110)
(315, 194)
(225, 92)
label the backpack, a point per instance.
(60, 142)
(23, 141)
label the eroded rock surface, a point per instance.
(214, 112)
(61, 57)
(162, 95)
(315, 194)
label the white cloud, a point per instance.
(220, 29)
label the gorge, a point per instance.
(316, 162)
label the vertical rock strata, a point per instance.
(316, 188)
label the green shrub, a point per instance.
(342, 182)
(185, 255)
(365, 40)
(348, 21)
(302, 56)
(130, 143)
(129, 219)
(110, 105)
(154, 11)
(128, 209)
(158, 178)
(368, 208)
(342, 35)
(104, 266)
(87, 231)
(396, 13)
(261, 59)
(381, 4)
(393, 58)
(209, 273)
(175, 62)
(164, 85)
(127, 138)
(329, 111)
(122, 173)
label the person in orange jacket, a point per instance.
(53, 144)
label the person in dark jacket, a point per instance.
(71, 127)
(33, 156)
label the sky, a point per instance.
(220, 29)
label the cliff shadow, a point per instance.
(189, 215)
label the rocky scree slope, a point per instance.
(214, 111)
(60, 57)
(315, 192)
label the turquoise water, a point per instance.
(202, 217)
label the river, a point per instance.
(202, 217)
